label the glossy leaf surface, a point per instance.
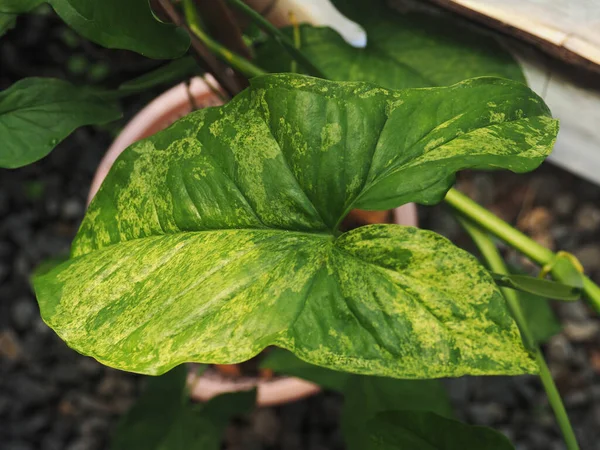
(229, 245)
(421, 430)
(164, 419)
(128, 25)
(404, 50)
(38, 113)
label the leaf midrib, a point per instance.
(315, 234)
(416, 161)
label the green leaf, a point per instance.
(403, 50)
(128, 25)
(284, 362)
(18, 6)
(171, 72)
(538, 286)
(567, 270)
(540, 318)
(7, 22)
(229, 244)
(364, 396)
(38, 113)
(9, 9)
(164, 419)
(421, 430)
(145, 425)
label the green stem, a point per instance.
(233, 59)
(499, 228)
(496, 263)
(297, 41)
(281, 38)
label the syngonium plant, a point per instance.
(220, 236)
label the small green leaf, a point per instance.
(540, 318)
(229, 245)
(404, 50)
(171, 72)
(421, 430)
(164, 419)
(7, 22)
(567, 270)
(38, 113)
(538, 286)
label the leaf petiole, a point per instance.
(521, 242)
(233, 59)
(494, 260)
(281, 38)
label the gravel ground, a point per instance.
(53, 398)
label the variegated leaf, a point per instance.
(217, 237)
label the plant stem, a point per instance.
(234, 60)
(495, 262)
(205, 58)
(297, 40)
(499, 228)
(281, 38)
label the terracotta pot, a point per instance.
(159, 114)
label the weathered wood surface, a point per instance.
(567, 29)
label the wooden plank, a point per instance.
(566, 29)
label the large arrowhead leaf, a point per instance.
(129, 25)
(403, 50)
(421, 430)
(216, 238)
(37, 113)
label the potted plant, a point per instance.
(220, 236)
